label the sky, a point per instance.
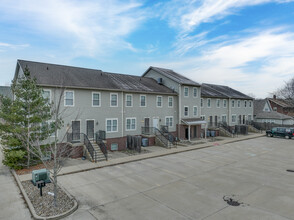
(245, 44)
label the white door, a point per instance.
(155, 123)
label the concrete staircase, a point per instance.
(99, 155)
(253, 129)
(224, 132)
(160, 143)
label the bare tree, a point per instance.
(287, 92)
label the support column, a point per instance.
(205, 130)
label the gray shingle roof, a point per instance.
(6, 91)
(220, 91)
(258, 106)
(272, 115)
(76, 77)
(173, 76)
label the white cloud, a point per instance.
(232, 63)
(90, 27)
(12, 46)
(188, 14)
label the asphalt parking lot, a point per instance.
(241, 180)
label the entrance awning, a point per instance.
(193, 121)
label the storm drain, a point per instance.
(232, 201)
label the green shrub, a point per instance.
(14, 158)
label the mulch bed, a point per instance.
(30, 169)
(44, 206)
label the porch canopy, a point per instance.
(194, 121)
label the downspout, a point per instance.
(229, 112)
(122, 113)
(180, 112)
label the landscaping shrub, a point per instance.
(14, 158)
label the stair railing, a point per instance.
(99, 137)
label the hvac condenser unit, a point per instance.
(42, 174)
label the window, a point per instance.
(114, 146)
(218, 103)
(225, 103)
(233, 103)
(239, 104)
(202, 117)
(195, 92)
(170, 101)
(250, 104)
(234, 117)
(186, 91)
(224, 118)
(96, 99)
(143, 100)
(186, 111)
(245, 104)
(49, 128)
(69, 98)
(208, 103)
(130, 124)
(111, 125)
(201, 100)
(113, 100)
(129, 100)
(169, 121)
(195, 111)
(47, 95)
(159, 101)
(249, 118)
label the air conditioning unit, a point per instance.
(42, 174)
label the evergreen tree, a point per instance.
(25, 118)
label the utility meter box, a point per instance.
(42, 174)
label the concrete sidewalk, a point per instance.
(90, 166)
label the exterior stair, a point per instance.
(253, 129)
(99, 155)
(166, 143)
(224, 132)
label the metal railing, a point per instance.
(83, 138)
(99, 137)
(163, 135)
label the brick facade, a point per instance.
(182, 131)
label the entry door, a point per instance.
(90, 129)
(244, 119)
(147, 125)
(195, 131)
(76, 129)
(215, 120)
(155, 123)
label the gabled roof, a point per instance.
(258, 105)
(272, 115)
(220, 91)
(283, 103)
(6, 91)
(173, 76)
(75, 77)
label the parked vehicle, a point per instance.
(281, 132)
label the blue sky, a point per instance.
(245, 44)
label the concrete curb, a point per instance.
(160, 154)
(32, 209)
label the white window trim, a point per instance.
(184, 91)
(245, 104)
(127, 100)
(250, 116)
(203, 117)
(218, 103)
(197, 110)
(184, 111)
(168, 101)
(233, 100)
(116, 99)
(169, 123)
(202, 100)
(226, 117)
(50, 97)
(112, 119)
(238, 102)
(250, 104)
(145, 101)
(99, 93)
(225, 101)
(209, 102)
(131, 124)
(235, 118)
(52, 135)
(157, 101)
(73, 97)
(196, 92)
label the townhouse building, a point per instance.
(121, 105)
(226, 105)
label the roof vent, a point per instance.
(47, 68)
(159, 81)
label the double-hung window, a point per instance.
(186, 92)
(130, 124)
(169, 121)
(159, 101)
(239, 104)
(195, 92)
(129, 100)
(170, 101)
(201, 100)
(111, 125)
(195, 111)
(225, 103)
(208, 103)
(234, 118)
(47, 95)
(186, 111)
(218, 103)
(143, 100)
(96, 99)
(233, 103)
(69, 98)
(113, 100)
